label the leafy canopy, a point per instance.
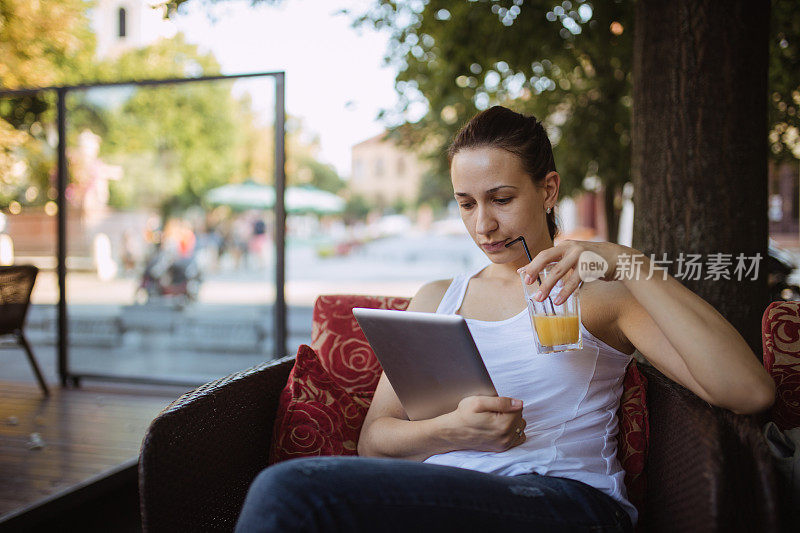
(784, 81)
(172, 142)
(42, 43)
(567, 63)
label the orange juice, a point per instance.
(556, 330)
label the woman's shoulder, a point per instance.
(601, 304)
(429, 296)
(605, 298)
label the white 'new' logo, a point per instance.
(591, 266)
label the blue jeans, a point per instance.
(351, 494)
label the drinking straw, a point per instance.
(538, 277)
(524, 245)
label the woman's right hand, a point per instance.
(487, 423)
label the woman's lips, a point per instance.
(495, 246)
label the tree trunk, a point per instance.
(700, 144)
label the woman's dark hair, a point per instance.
(523, 136)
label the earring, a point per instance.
(547, 210)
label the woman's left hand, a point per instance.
(567, 256)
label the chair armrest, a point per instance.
(707, 468)
(203, 450)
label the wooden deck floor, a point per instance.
(86, 433)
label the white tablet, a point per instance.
(430, 359)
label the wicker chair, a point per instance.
(707, 469)
(16, 286)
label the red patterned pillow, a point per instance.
(315, 415)
(340, 343)
(780, 328)
(634, 431)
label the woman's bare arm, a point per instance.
(676, 330)
(688, 340)
(387, 432)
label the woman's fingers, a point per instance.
(542, 259)
(571, 283)
(558, 272)
(554, 274)
(498, 404)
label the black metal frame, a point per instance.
(65, 375)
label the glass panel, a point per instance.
(28, 224)
(170, 276)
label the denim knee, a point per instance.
(300, 480)
(280, 497)
(287, 479)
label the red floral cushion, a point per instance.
(347, 364)
(634, 433)
(315, 416)
(780, 328)
(341, 345)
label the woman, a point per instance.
(543, 454)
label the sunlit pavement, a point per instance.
(395, 266)
(85, 289)
(230, 326)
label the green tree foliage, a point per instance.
(356, 208)
(302, 165)
(322, 175)
(567, 63)
(784, 81)
(186, 132)
(171, 140)
(42, 43)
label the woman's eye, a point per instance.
(502, 201)
(466, 205)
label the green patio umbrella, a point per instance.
(245, 195)
(307, 199)
(252, 195)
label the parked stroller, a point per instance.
(170, 278)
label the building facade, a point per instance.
(384, 173)
(122, 25)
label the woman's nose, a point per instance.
(486, 223)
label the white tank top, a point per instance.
(570, 403)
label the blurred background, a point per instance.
(167, 191)
(170, 222)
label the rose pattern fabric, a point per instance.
(634, 433)
(331, 386)
(780, 328)
(341, 345)
(315, 416)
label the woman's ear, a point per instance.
(552, 183)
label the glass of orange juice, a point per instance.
(556, 328)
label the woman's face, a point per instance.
(499, 202)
